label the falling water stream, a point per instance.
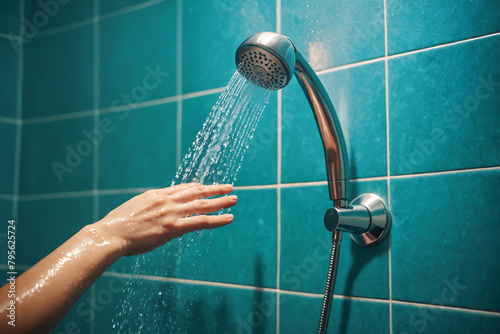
(216, 155)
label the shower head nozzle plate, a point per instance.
(262, 67)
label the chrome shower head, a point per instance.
(267, 59)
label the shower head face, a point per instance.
(267, 59)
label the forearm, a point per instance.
(48, 289)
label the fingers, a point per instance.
(200, 191)
(205, 222)
(208, 205)
(177, 188)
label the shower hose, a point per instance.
(330, 282)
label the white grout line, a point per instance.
(455, 171)
(202, 93)
(404, 54)
(9, 120)
(59, 117)
(388, 156)
(278, 181)
(12, 37)
(129, 9)
(399, 55)
(8, 197)
(289, 292)
(19, 116)
(65, 28)
(278, 206)
(257, 187)
(343, 67)
(121, 108)
(95, 180)
(96, 99)
(447, 308)
(72, 194)
(83, 23)
(178, 151)
(303, 184)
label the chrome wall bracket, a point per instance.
(366, 219)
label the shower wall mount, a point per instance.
(268, 60)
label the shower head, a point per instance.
(267, 59)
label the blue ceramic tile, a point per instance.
(333, 33)
(248, 244)
(443, 108)
(138, 56)
(113, 5)
(8, 80)
(418, 24)
(412, 319)
(212, 31)
(43, 15)
(443, 226)
(43, 225)
(184, 308)
(58, 82)
(79, 317)
(8, 140)
(139, 150)
(358, 95)
(259, 163)
(57, 156)
(10, 17)
(300, 314)
(306, 246)
(6, 207)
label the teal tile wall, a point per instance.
(420, 319)
(351, 316)
(10, 29)
(333, 33)
(444, 105)
(203, 309)
(57, 156)
(417, 24)
(58, 82)
(128, 76)
(7, 138)
(142, 139)
(9, 67)
(446, 260)
(358, 95)
(10, 17)
(51, 222)
(45, 15)
(212, 30)
(151, 71)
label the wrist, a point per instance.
(102, 236)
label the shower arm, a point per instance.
(337, 162)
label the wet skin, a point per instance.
(49, 289)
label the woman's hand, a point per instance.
(155, 217)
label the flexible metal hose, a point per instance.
(330, 282)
